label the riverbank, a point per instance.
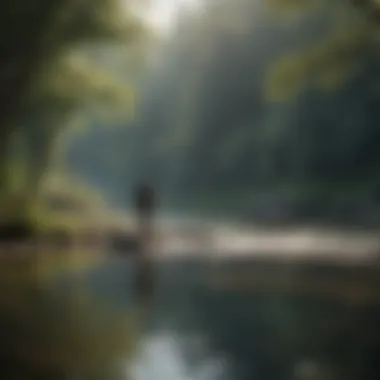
(25, 263)
(223, 241)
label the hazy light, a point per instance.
(163, 13)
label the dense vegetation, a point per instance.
(254, 110)
(52, 76)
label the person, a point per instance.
(144, 201)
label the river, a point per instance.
(199, 333)
(309, 322)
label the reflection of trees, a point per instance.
(265, 335)
(48, 334)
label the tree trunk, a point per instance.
(20, 64)
(40, 151)
(5, 147)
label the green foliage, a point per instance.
(209, 139)
(48, 332)
(44, 77)
(53, 29)
(74, 83)
(294, 5)
(82, 208)
(336, 58)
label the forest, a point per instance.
(52, 75)
(256, 110)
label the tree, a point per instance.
(72, 89)
(349, 48)
(37, 75)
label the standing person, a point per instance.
(145, 206)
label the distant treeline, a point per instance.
(212, 136)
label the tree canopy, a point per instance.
(342, 53)
(44, 75)
(211, 138)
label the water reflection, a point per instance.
(52, 329)
(195, 332)
(162, 357)
(174, 345)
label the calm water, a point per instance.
(174, 344)
(197, 333)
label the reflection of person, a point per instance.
(144, 201)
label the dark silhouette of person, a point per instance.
(144, 199)
(144, 202)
